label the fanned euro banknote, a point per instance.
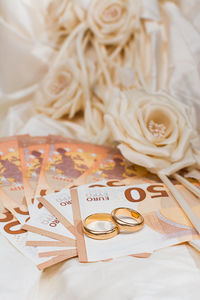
(48, 185)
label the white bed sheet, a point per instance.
(171, 273)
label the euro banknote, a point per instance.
(36, 240)
(165, 222)
(60, 205)
(11, 180)
(44, 223)
(66, 162)
(32, 151)
(54, 251)
(10, 228)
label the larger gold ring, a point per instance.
(96, 234)
(126, 226)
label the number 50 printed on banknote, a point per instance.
(165, 222)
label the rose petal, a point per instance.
(151, 109)
(188, 160)
(112, 30)
(147, 149)
(182, 145)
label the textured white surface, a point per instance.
(17, 274)
(171, 273)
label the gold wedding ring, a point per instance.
(126, 226)
(96, 234)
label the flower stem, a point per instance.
(188, 185)
(181, 201)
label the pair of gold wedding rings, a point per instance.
(118, 222)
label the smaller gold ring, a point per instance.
(126, 226)
(97, 234)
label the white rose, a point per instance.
(61, 91)
(155, 130)
(112, 21)
(62, 17)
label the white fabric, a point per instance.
(17, 274)
(168, 274)
(171, 273)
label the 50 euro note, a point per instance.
(110, 164)
(11, 181)
(47, 251)
(66, 162)
(49, 236)
(44, 223)
(194, 203)
(10, 229)
(35, 240)
(192, 176)
(165, 222)
(108, 172)
(32, 151)
(115, 167)
(55, 205)
(67, 220)
(60, 203)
